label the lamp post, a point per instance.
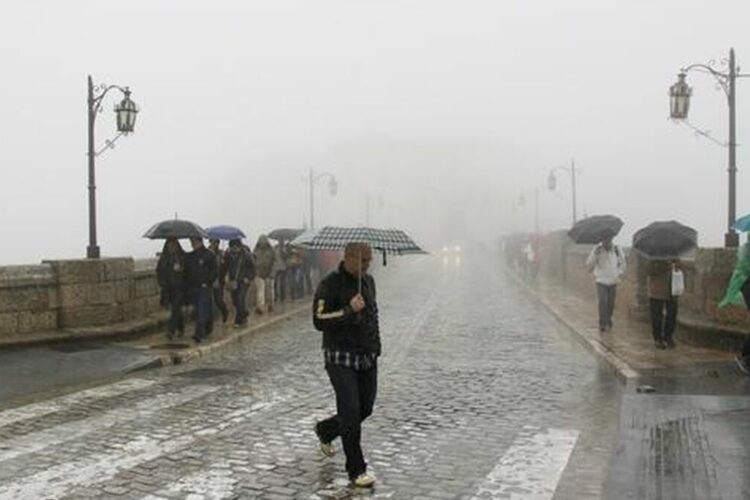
(332, 189)
(552, 184)
(126, 112)
(679, 104)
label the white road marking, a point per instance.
(58, 434)
(531, 468)
(57, 481)
(35, 410)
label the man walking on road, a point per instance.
(348, 319)
(607, 263)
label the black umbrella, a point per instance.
(665, 240)
(595, 229)
(175, 228)
(285, 234)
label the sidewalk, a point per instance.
(51, 363)
(180, 350)
(629, 347)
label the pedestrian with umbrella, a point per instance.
(201, 273)
(663, 243)
(216, 234)
(240, 273)
(172, 269)
(605, 261)
(345, 309)
(218, 288)
(264, 266)
(738, 290)
(170, 274)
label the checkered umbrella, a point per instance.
(387, 241)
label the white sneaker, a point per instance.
(364, 480)
(328, 449)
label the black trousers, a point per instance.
(606, 295)
(239, 301)
(176, 317)
(663, 328)
(355, 397)
(204, 312)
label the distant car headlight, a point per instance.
(445, 249)
(457, 248)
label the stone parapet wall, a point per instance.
(67, 294)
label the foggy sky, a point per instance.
(443, 112)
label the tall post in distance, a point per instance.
(573, 177)
(732, 238)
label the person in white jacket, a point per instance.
(607, 262)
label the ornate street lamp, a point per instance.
(333, 188)
(679, 98)
(126, 112)
(679, 104)
(552, 184)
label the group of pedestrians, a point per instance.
(200, 279)
(607, 263)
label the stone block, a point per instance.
(26, 298)
(72, 295)
(115, 269)
(134, 309)
(124, 290)
(90, 315)
(37, 321)
(101, 293)
(8, 323)
(77, 271)
(145, 286)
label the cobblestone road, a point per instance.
(482, 395)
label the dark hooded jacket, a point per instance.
(343, 329)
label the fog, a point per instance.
(443, 113)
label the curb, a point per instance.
(621, 368)
(114, 332)
(177, 357)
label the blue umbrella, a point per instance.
(743, 223)
(225, 233)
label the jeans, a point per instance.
(239, 301)
(204, 312)
(355, 397)
(606, 296)
(661, 328)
